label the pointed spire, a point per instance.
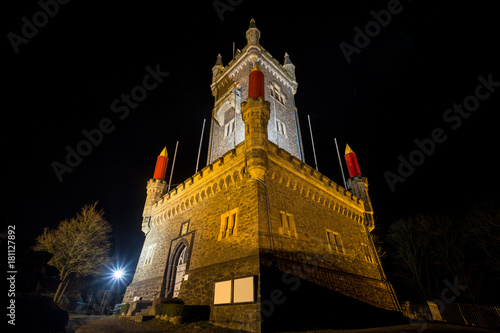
(348, 149)
(218, 62)
(217, 68)
(252, 23)
(164, 152)
(289, 66)
(253, 34)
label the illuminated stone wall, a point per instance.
(317, 204)
(256, 210)
(282, 105)
(293, 187)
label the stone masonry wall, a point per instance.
(300, 191)
(201, 201)
(282, 109)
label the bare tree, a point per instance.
(483, 226)
(80, 246)
(409, 251)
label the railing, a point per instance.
(472, 314)
(373, 291)
(486, 316)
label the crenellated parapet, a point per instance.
(292, 173)
(223, 173)
(230, 170)
(154, 189)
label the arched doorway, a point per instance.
(180, 270)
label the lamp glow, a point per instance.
(118, 274)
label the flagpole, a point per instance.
(312, 141)
(199, 149)
(340, 163)
(172, 170)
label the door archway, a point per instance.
(180, 270)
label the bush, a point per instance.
(171, 310)
(193, 313)
(44, 314)
(124, 308)
(189, 313)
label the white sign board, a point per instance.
(222, 293)
(244, 290)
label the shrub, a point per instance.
(189, 313)
(193, 313)
(169, 309)
(124, 308)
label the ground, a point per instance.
(98, 324)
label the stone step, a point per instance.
(141, 318)
(146, 312)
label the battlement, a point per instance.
(155, 183)
(284, 169)
(299, 176)
(222, 173)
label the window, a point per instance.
(280, 126)
(287, 225)
(334, 241)
(228, 224)
(366, 252)
(277, 94)
(229, 128)
(149, 254)
(184, 228)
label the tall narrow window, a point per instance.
(229, 128)
(334, 241)
(287, 225)
(366, 252)
(229, 221)
(149, 254)
(281, 127)
(277, 94)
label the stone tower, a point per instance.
(258, 235)
(230, 88)
(154, 189)
(358, 185)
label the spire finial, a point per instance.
(253, 34)
(218, 62)
(348, 149)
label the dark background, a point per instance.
(394, 91)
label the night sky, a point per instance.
(395, 90)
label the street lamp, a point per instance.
(118, 274)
